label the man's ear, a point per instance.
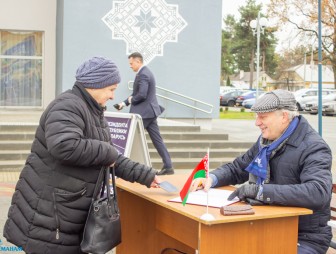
(285, 117)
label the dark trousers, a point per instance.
(305, 249)
(151, 125)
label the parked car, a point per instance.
(329, 108)
(229, 98)
(224, 89)
(311, 106)
(305, 95)
(245, 96)
(248, 103)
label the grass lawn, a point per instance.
(236, 115)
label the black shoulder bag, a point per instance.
(102, 230)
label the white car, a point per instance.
(329, 108)
(305, 95)
(314, 103)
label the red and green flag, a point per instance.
(200, 171)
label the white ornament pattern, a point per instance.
(145, 26)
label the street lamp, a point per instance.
(258, 26)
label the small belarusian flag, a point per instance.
(201, 171)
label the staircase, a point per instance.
(187, 145)
(15, 144)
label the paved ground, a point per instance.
(237, 129)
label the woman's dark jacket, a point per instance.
(54, 191)
(300, 175)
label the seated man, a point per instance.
(290, 165)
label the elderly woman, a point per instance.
(71, 145)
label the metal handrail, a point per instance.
(130, 87)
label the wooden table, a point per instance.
(150, 224)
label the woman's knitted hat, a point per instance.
(97, 72)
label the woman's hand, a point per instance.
(155, 183)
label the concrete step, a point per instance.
(24, 134)
(15, 157)
(15, 145)
(14, 166)
(21, 127)
(191, 163)
(180, 128)
(187, 145)
(17, 126)
(7, 155)
(199, 153)
(179, 164)
(17, 135)
(215, 144)
(192, 136)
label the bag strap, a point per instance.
(99, 183)
(103, 183)
(107, 182)
(108, 190)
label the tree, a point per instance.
(290, 57)
(228, 66)
(239, 43)
(228, 81)
(303, 16)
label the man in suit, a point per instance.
(143, 101)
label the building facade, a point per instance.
(306, 76)
(27, 54)
(43, 43)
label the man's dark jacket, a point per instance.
(144, 101)
(54, 191)
(300, 175)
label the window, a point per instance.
(311, 93)
(21, 69)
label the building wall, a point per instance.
(189, 63)
(35, 15)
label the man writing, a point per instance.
(290, 165)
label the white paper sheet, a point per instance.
(216, 198)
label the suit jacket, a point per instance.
(144, 101)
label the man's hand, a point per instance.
(117, 106)
(201, 183)
(245, 191)
(121, 105)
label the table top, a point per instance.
(161, 197)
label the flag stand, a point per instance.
(207, 216)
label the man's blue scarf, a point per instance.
(258, 166)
